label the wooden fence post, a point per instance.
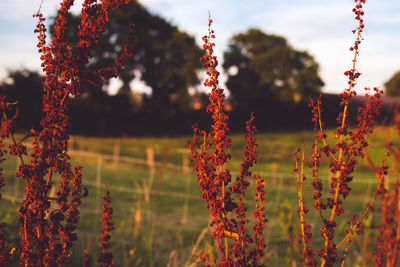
(98, 172)
(82, 148)
(150, 164)
(71, 143)
(98, 186)
(185, 208)
(116, 152)
(150, 157)
(185, 163)
(274, 168)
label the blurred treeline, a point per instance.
(265, 75)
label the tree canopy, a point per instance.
(264, 68)
(392, 86)
(165, 59)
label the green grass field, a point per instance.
(158, 212)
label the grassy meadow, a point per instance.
(158, 214)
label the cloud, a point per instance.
(21, 9)
(19, 52)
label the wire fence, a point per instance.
(280, 179)
(274, 175)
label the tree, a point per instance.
(392, 86)
(264, 69)
(165, 58)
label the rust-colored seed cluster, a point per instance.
(87, 260)
(47, 235)
(224, 197)
(48, 223)
(6, 127)
(106, 257)
(388, 241)
(350, 145)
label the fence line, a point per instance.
(141, 191)
(274, 175)
(274, 178)
(185, 168)
(148, 162)
(114, 188)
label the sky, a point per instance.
(321, 27)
